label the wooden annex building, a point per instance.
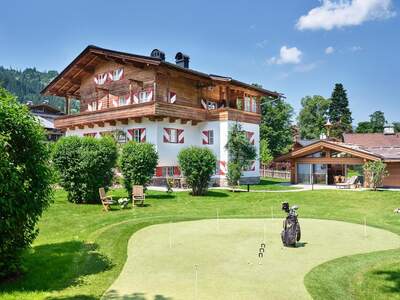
(321, 160)
(149, 99)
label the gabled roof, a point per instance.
(67, 83)
(337, 146)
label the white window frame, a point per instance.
(121, 100)
(94, 105)
(143, 96)
(167, 171)
(254, 104)
(137, 135)
(247, 104)
(173, 135)
(210, 135)
(115, 74)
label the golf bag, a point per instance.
(291, 232)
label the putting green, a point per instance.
(164, 260)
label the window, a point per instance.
(122, 100)
(168, 171)
(254, 104)
(93, 105)
(317, 154)
(211, 105)
(117, 74)
(138, 134)
(336, 154)
(173, 136)
(247, 103)
(143, 96)
(239, 103)
(208, 137)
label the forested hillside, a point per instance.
(27, 84)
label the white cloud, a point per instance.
(336, 14)
(329, 50)
(304, 68)
(287, 56)
(355, 49)
(262, 44)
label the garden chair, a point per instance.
(349, 183)
(105, 200)
(138, 195)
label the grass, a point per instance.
(81, 249)
(270, 184)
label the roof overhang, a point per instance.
(67, 83)
(329, 145)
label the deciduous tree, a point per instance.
(313, 116)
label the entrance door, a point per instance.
(304, 173)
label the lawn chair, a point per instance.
(105, 200)
(138, 195)
(349, 183)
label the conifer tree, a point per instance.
(339, 112)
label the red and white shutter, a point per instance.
(128, 99)
(142, 135)
(250, 137)
(204, 136)
(177, 171)
(136, 98)
(222, 168)
(172, 97)
(149, 94)
(167, 135)
(131, 133)
(253, 166)
(119, 73)
(158, 171)
(181, 138)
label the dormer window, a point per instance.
(117, 74)
(246, 103)
(143, 96)
(254, 104)
(122, 101)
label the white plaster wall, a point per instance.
(168, 152)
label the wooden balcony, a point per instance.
(154, 110)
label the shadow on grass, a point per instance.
(160, 196)
(217, 194)
(392, 277)
(113, 295)
(53, 267)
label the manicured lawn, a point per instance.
(81, 250)
(271, 184)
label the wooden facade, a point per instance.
(175, 91)
(351, 156)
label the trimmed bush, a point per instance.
(198, 165)
(84, 164)
(138, 162)
(25, 179)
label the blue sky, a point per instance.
(295, 47)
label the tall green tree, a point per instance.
(364, 127)
(396, 126)
(276, 124)
(375, 124)
(25, 178)
(241, 153)
(339, 112)
(377, 120)
(313, 116)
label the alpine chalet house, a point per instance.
(155, 101)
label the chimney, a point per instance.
(182, 60)
(158, 54)
(388, 129)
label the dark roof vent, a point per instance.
(158, 54)
(182, 60)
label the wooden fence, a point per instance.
(274, 173)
